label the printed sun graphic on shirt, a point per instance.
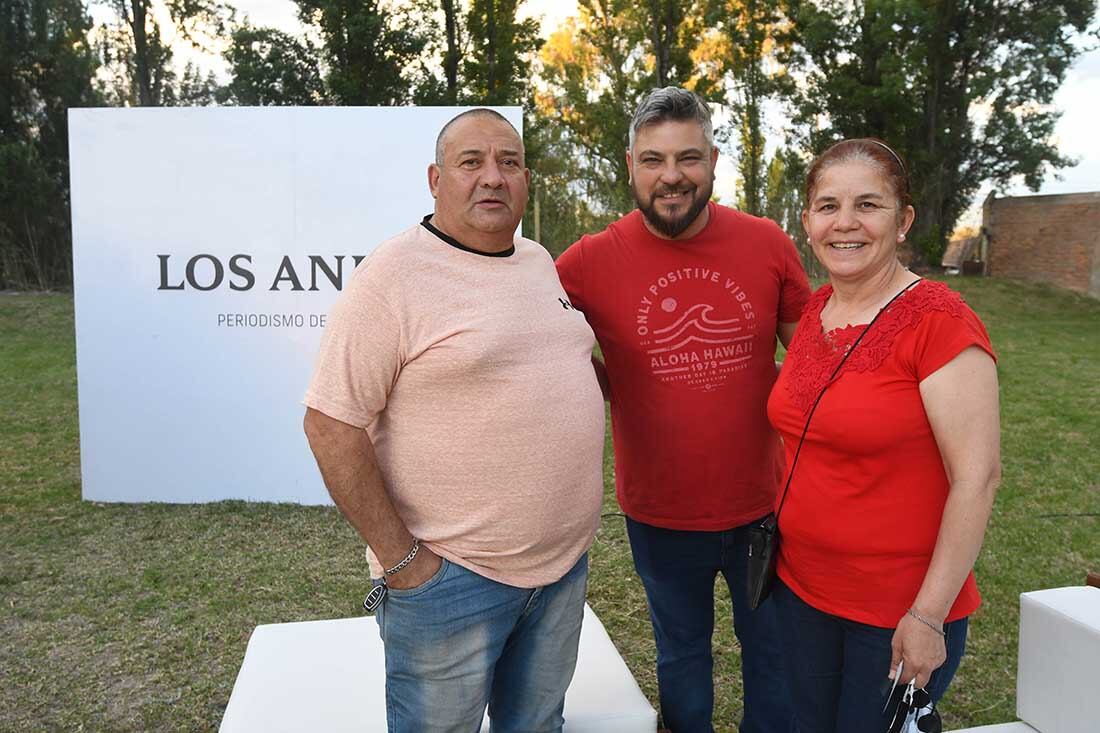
(696, 327)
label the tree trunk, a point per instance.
(663, 27)
(870, 54)
(491, 52)
(451, 58)
(141, 53)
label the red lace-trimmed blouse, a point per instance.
(864, 508)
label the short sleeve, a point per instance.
(570, 264)
(795, 288)
(360, 356)
(944, 334)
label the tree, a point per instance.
(369, 48)
(498, 66)
(592, 81)
(558, 212)
(46, 67)
(962, 89)
(670, 32)
(452, 53)
(783, 203)
(597, 69)
(740, 51)
(271, 67)
(137, 57)
(194, 88)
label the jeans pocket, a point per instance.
(424, 587)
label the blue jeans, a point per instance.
(838, 667)
(678, 569)
(459, 642)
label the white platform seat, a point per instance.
(329, 677)
(1058, 674)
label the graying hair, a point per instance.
(441, 139)
(672, 103)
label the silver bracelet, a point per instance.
(409, 558)
(926, 622)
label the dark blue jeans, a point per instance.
(838, 667)
(678, 569)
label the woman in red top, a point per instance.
(894, 484)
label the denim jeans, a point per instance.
(459, 642)
(838, 667)
(678, 569)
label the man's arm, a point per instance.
(349, 468)
(785, 332)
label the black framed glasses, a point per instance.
(915, 713)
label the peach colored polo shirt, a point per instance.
(472, 376)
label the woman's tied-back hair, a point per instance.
(671, 103)
(868, 150)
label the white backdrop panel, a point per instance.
(176, 404)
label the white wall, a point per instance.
(176, 404)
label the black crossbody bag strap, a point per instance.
(764, 536)
(813, 408)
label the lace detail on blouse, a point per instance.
(814, 354)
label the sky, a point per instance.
(1075, 135)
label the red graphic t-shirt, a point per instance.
(688, 333)
(863, 510)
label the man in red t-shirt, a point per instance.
(686, 298)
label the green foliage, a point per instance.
(783, 204)
(370, 49)
(496, 69)
(670, 32)
(439, 24)
(596, 71)
(750, 42)
(452, 33)
(136, 57)
(558, 213)
(271, 67)
(46, 67)
(194, 89)
(962, 89)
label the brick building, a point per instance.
(1051, 239)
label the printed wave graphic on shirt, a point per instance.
(695, 326)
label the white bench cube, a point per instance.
(1058, 673)
(330, 676)
(1058, 679)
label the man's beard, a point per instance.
(673, 228)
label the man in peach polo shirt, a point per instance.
(458, 425)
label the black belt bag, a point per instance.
(763, 552)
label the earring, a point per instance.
(901, 237)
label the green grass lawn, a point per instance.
(135, 617)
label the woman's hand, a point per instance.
(922, 648)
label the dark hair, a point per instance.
(671, 103)
(870, 150)
(441, 139)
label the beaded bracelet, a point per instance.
(926, 622)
